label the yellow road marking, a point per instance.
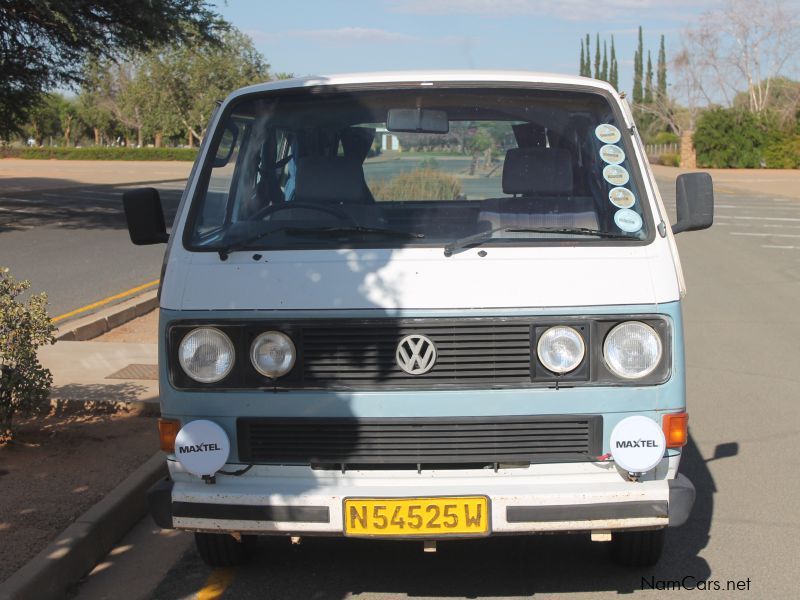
(105, 301)
(217, 583)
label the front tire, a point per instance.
(637, 548)
(222, 549)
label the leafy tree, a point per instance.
(648, 82)
(24, 327)
(93, 112)
(194, 77)
(44, 44)
(44, 118)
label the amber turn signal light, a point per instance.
(167, 432)
(676, 429)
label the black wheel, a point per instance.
(222, 549)
(637, 548)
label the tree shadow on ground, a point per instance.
(83, 207)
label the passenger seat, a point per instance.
(540, 180)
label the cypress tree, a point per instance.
(588, 57)
(637, 70)
(662, 71)
(597, 57)
(604, 70)
(613, 75)
(648, 83)
(580, 70)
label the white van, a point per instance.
(422, 306)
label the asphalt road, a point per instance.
(73, 242)
(742, 327)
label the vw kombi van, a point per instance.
(422, 306)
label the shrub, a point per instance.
(783, 152)
(670, 159)
(101, 153)
(731, 138)
(665, 137)
(24, 327)
(429, 163)
(419, 184)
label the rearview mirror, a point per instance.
(694, 199)
(145, 216)
(417, 120)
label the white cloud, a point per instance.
(353, 34)
(340, 36)
(573, 10)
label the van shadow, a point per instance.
(334, 569)
(494, 567)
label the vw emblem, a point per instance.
(416, 354)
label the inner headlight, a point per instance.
(561, 349)
(632, 350)
(206, 355)
(272, 354)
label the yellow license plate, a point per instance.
(433, 517)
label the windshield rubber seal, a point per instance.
(235, 99)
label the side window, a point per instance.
(220, 183)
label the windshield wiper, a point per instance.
(485, 236)
(332, 231)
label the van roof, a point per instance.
(422, 77)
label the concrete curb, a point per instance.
(82, 545)
(87, 328)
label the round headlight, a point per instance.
(561, 349)
(206, 355)
(632, 350)
(272, 354)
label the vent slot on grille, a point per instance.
(421, 441)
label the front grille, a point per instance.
(469, 353)
(419, 441)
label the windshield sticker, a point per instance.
(615, 175)
(628, 220)
(608, 134)
(621, 197)
(613, 155)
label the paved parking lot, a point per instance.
(62, 226)
(742, 327)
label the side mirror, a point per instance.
(227, 143)
(694, 199)
(145, 216)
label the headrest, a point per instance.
(329, 179)
(538, 171)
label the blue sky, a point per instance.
(335, 36)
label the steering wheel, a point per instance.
(331, 210)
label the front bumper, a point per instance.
(541, 498)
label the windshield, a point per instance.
(418, 166)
